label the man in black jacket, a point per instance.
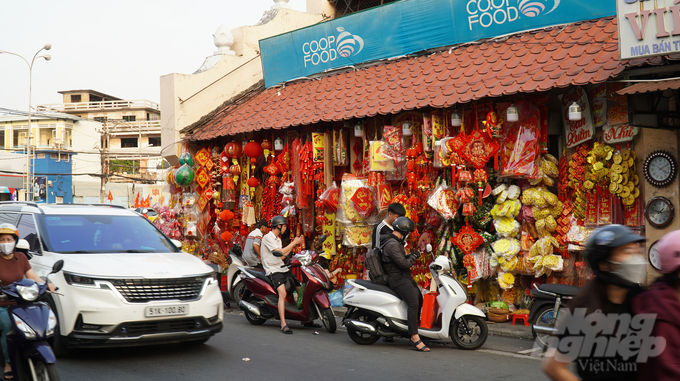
(397, 265)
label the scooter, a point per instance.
(235, 286)
(375, 310)
(548, 298)
(260, 299)
(34, 322)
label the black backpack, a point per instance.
(373, 263)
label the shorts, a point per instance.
(281, 278)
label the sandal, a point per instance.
(8, 375)
(311, 324)
(424, 348)
(286, 330)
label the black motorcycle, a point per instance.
(545, 309)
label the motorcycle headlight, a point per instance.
(51, 324)
(29, 293)
(23, 327)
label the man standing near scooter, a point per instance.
(275, 268)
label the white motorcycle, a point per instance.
(375, 310)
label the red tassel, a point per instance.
(453, 174)
(481, 193)
(495, 161)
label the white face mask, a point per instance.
(7, 248)
(632, 269)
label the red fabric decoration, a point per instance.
(478, 148)
(363, 202)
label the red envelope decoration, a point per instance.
(202, 202)
(202, 177)
(209, 165)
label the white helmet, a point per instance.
(22, 244)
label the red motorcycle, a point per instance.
(260, 299)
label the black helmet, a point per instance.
(600, 245)
(278, 220)
(404, 225)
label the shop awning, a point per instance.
(540, 60)
(651, 86)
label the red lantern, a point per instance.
(234, 150)
(253, 182)
(266, 145)
(235, 170)
(253, 149)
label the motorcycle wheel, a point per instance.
(237, 292)
(359, 337)
(252, 318)
(43, 372)
(469, 336)
(545, 317)
(327, 318)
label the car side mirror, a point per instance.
(177, 243)
(58, 265)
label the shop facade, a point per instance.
(507, 153)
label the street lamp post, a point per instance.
(47, 57)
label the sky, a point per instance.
(120, 48)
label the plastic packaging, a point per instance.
(443, 200)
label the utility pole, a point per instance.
(104, 161)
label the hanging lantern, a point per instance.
(456, 120)
(278, 144)
(266, 146)
(235, 170)
(358, 130)
(234, 150)
(184, 175)
(574, 112)
(406, 129)
(253, 182)
(253, 150)
(187, 159)
(513, 113)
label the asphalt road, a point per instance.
(246, 352)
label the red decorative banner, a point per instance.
(591, 209)
(202, 157)
(604, 214)
(202, 202)
(202, 177)
(384, 196)
(467, 239)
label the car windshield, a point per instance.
(76, 234)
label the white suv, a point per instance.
(123, 282)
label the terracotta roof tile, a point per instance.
(542, 60)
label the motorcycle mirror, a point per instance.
(277, 253)
(322, 239)
(428, 248)
(58, 265)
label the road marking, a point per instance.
(532, 350)
(509, 354)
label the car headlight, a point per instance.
(23, 327)
(29, 293)
(51, 324)
(212, 278)
(72, 279)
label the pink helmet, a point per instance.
(669, 252)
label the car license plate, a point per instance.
(167, 311)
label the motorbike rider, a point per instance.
(251, 251)
(394, 211)
(397, 265)
(275, 268)
(14, 266)
(663, 299)
(617, 262)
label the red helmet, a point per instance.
(669, 252)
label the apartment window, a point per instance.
(2, 139)
(19, 137)
(48, 136)
(128, 142)
(100, 119)
(129, 118)
(156, 142)
(75, 98)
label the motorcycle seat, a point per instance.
(560, 289)
(377, 287)
(259, 273)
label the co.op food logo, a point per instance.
(486, 13)
(328, 48)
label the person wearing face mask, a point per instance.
(14, 266)
(397, 265)
(663, 299)
(618, 265)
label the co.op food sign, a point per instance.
(487, 13)
(328, 49)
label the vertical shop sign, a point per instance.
(577, 131)
(329, 231)
(317, 146)
(598, 104)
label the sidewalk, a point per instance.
(518, 331)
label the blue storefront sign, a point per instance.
(411, 26)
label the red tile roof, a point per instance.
(556, 57)
(646, 87)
